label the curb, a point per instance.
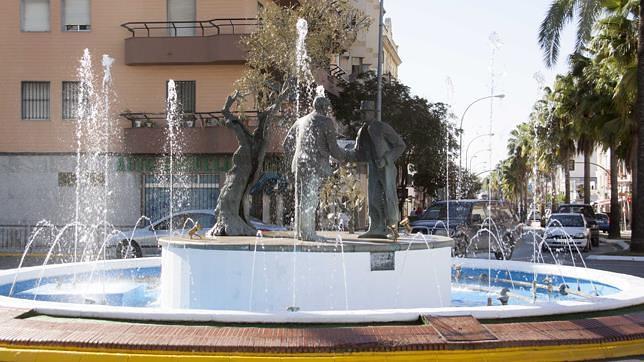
(616, 258)
(621, 243)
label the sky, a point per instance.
(447, 57)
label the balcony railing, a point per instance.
(192, 28)
(189, 120)
(203, 133)
(214, 41)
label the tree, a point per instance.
(620, 18)
(560, 13)
(424, 127)
(269, 81)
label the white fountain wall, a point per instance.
(224, 280)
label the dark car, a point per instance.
(602, 222)
(468, 220)
(588, 213)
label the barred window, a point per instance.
(70, 100)
(186, 95)
(35, 100)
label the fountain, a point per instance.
(325, 277)
(331, 278)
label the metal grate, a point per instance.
(186, 95)
(35, 100)
(196, 192)
(70, 100)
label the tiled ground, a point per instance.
(440, 333)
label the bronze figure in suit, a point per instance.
(379, 145)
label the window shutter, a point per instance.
(182, 10)
(77, 12)
(35, 15)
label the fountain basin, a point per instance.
(277, 275)
(616, 291)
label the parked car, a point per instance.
(145, 241)
(565, 229)
(603, 222)
(466, 219)
(589, 215)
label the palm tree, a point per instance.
(613, 73)
(637, 239)
(560, 13)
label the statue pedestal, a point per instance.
(280, 274)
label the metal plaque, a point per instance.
(383, 260)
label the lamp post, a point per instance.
(470, 163)
(380, 61)
(460, 129)
(475, 155)
(467, 149)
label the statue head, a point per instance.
(321, 105)
(368, 110)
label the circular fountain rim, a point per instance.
(631, 293)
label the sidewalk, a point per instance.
(623, 254)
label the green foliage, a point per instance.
(343, 190)
(424, 127)
(332, 28)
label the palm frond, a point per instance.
(559, 15)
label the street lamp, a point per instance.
(460, 128)
(470, 163)
(474, 156)
(467, 149)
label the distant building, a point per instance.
(599, 183)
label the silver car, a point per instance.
(567, 230)
(144, 241)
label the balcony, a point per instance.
(215, 41)
(202, 132)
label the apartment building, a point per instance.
(600, 185)
(194, 42)
(363, 54)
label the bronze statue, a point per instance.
(379, 145)
(311, 140)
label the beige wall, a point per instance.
(53, 56)
(366, 44)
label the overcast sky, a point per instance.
(447, 57)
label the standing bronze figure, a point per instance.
(380, 146)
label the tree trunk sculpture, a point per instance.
(233, 214)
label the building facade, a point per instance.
(194, 42)
(151, 42)
(600, 184)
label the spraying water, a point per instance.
(93, 137)
(302, 64)
(174, 168)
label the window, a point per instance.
(571, 165)
(183, 12)
(76, 15)
(185, 95)
(35, 15)
(70, 100)
(67, 179)
(35, 100)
